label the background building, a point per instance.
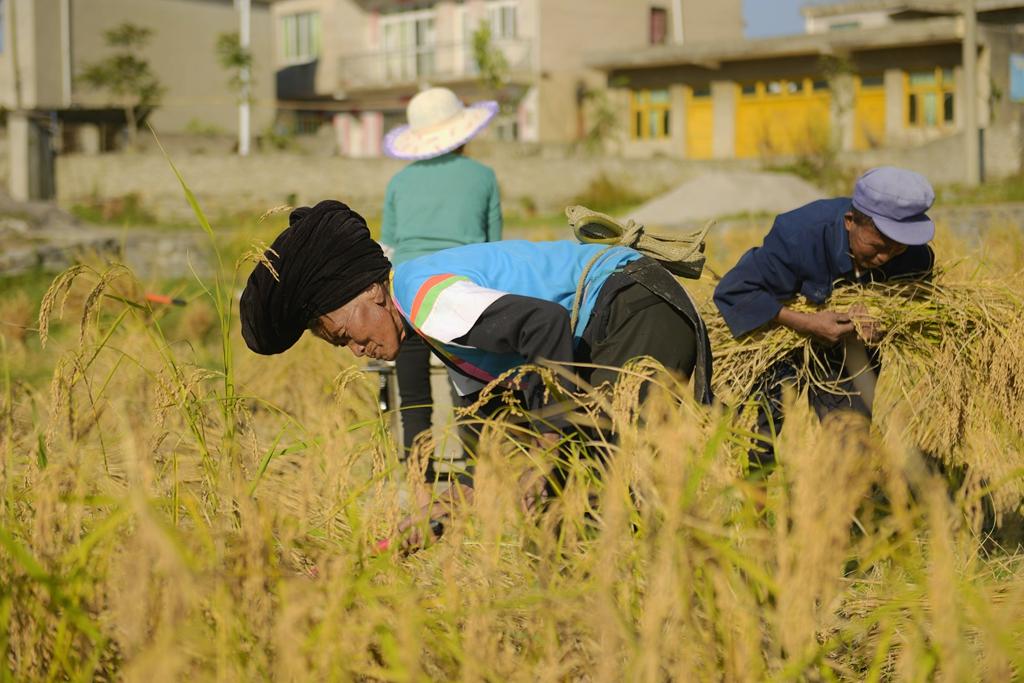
(44, 45)
(865, 75)
(356, 63)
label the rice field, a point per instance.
(173, 507)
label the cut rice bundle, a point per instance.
(952, 380)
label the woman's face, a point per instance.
(368, 325)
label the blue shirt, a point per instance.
(443, 294)
(440, 203)
(806, 252)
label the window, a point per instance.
(930, 98)
(409, 44)
(659, 26)
(503, 19)
(650, 112)
(782, 88)
(844, 25)
(300, 37)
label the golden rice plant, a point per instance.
(16, 317)
(952, 379)
(207, 515)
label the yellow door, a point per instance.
(700, 121)
(869, 113)
(782, 118)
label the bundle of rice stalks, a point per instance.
(952, 378)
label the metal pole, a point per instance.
(972, 165)
(18, 133)
(65, 41)
(243, 106)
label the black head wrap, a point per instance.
(324, 259)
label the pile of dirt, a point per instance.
(726, 193)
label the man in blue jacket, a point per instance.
(879, 234)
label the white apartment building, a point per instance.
(356, 63)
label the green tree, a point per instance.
(490, 61)
(493, 71)
(602, 119)
(237, 61)
(126, 76)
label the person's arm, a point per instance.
(388, 224)
(495, 223)
(532, 328)
(750, 295)
(826, 326)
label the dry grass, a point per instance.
(17, 314)
(166, 518)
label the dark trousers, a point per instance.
(412, 368)
(633, 322)
(637, 322)
(769, 396)
(413, 372)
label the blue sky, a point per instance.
(772, 17)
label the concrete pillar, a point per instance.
(985, 81)
(677, 120)
(447, 55)
(723, 99)
(969, 60)
(844, 111)
(528, 115)
(19, 144)
(895, 101)
(88, 139)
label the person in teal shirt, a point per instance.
(441, 200)
(439, 203)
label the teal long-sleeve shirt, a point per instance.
(439, 203)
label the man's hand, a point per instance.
(869, 328)
(533, 482)
(828, 327)
(417, 530)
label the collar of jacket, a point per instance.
(838, 243)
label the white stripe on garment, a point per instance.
(457, 309)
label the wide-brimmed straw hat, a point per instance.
(438, 123)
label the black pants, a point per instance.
(412, 368)
(769, 396)
(636, 322)
(629, 323)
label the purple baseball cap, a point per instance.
(896, 200)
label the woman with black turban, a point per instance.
(484, 309)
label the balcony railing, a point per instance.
(433, 62)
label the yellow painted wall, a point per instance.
(869, 114)
(700, 121)
(782, 117)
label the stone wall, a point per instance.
(533, 178)
(942, 160)
(227, 184)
